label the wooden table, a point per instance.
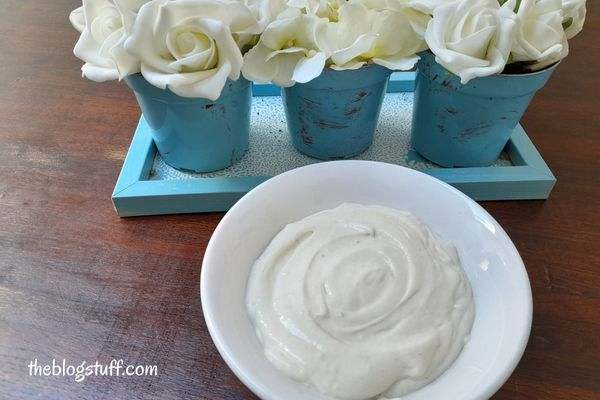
(78, 283)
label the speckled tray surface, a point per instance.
(148, 186)
(272, 153)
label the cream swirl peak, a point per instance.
(360, 301)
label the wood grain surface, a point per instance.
(78, 283)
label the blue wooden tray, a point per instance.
(522, 173)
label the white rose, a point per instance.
(574, 16)
(472, 38)
(287, 51)
(540, 35)
(384, 37)
(188, 45)
(104, 26)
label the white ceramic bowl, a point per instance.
(500, 285)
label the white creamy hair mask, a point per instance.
(360, 301)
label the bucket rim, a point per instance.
(502, 74)
(168, 96)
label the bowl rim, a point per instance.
(263, 392)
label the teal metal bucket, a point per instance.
(194, 134)
(457, 125)
(335, 115)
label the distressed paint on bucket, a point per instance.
(335, 115)
(457, 125)
(197, 134)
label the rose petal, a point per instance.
(352, 65)
(256, 67)
(143, 43)
(474, 45)
(99, 74)
(88, 50)
(286, 64)
(574, 15)
(397, 63)
(393, 25)
(280, 32)
(125, 62)
(362, 45)
(309, 68)
(289, 50)
(77, 19)
(163, 80)
(207, 88)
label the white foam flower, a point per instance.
(288, 51)
(472, 38)
(104, 26)
(574, 12)
(188, 46)
(364, 34)
(540, 35)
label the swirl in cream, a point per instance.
(360, 301)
